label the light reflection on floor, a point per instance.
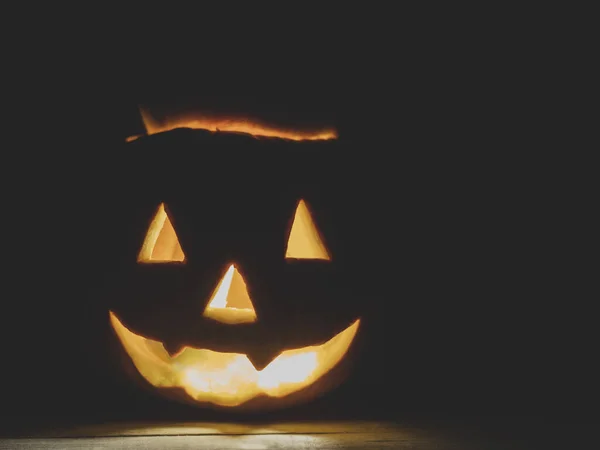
(292, 435)
(225, 428)
(300, 435)
(277, 441)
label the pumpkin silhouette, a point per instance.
(231, 290)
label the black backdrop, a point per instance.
(462, 232)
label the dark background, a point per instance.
(470, 227)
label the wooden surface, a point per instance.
(318, 435)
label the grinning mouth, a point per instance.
(230, 379)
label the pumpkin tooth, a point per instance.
(173, 349)
(262, 359)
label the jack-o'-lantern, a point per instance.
(233, 296)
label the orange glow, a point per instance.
(230, 379)
(161, 243)
(230, 302)
(133, 137)
(230, 124)
(304, 241)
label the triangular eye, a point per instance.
(161, 243)
(304, 241)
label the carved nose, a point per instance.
(230, 302)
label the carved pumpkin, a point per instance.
(231, 295)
